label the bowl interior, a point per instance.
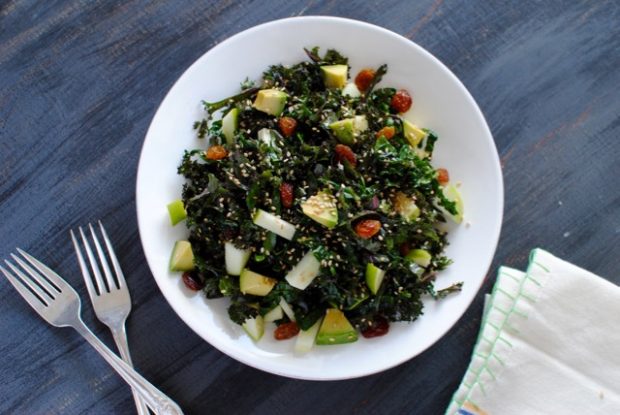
(465, 148)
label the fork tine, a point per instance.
(54, 279)
(28, 296)
(92, 292)
(42, 290)
(117, 266)
(45, 294)
(93, 263)
(102, 260)
(51, 288)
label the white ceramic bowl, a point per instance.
(441, 103)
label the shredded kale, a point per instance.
(241, 311)
(331, 57)
(221, 196)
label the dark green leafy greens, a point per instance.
(220, 197)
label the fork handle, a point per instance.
(120, 338)
(154, 398)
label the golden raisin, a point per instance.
(287, 126)
(387, 132)
(216, 153)
(344, 152)
(286, 331)
(401, 101)
(367, 228)
(442, 176)
(364, 78)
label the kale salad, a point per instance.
(313, 205)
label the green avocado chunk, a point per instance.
(452, 193)
(335, 329)
(347, 130)
(182, 258)
(254, 327)
(270, 101)
(374, 277)
(413, 133)
(334, 76)
(253, 283)
(230, 123)
(176, 211)
(420, 256)
(343, 130)
(322, 208)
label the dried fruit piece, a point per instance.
(193, 281)
(216, 153)
(442, 176)
(401, 101)
(364, 79)
(367, 228)
(379, 327)
(344, 152)
(286, 331)
(287, 126)
(387, 132)
(373, 203)
(286, 195)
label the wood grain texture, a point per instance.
(81, 80)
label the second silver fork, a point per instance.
(109, 295)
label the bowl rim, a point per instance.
(495, 165)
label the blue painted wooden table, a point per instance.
(80, 82)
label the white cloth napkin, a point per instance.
(549, 344)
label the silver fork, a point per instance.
(58, 304)
(110, 299)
